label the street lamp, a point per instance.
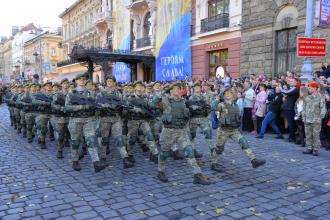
(307, 69)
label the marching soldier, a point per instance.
(138, 122)
(175, 120)
(110, 121)
(200, 109)
(59, 119)
(23, 97)
(230, 122)
(17, 109)
(31, 112)
(8, 100)
(82, 123)
(43, 101)
(314, 110)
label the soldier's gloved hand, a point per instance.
(167, 118)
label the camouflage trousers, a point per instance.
(30, 124)
(223, 135)
(83, 128)
(17, 118)
(23, 122)
(312, 132)
(60, 125)
(169, 137)
(42, 121)
(12, 116)
(140, 126)
(113, 126)
(156, 128)
(204, 124)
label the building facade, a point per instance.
(7, 75)
(79, 28)
(41, 55)
(269, 36)
(216, 37)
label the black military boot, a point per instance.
(30, 140)
(177, 155)
(104, 162)
(197, 154)
(24, 134)
(257, 162)
(131, 158)
(144, 147)
(308, 151)
(127, 163)
(162, 177)
(82, 153)
(200, 179)
(51, 138)
(59, 154)
(315, 153)
(43, 144)
(216, 167)
(108, 150)
(39, 141)
(98, 166)
(19, 130)
(76, 166)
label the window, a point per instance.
(286, 47)
(53, 52)
(147, 25)
(217, 7)
(218, 58)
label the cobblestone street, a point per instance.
(36, 185)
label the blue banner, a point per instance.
(173, 43)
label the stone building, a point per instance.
(7, 74)
(216, 36)
(41, 55)
(79, 28)
(269, 36)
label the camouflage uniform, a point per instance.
(138, 123)
(314, 110)
(30, 116)
(200, 110)
(7, 99)
(22, 99)
(42, 118)
(230, 121)
(110, 121)
(176, 130)
(59, 120)
(82, 123)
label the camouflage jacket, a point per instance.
(314, 109)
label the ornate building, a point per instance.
(216, 36)
(7, 75)
(41, 55)
(79, 23)
(269, 36)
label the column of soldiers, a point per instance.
(155, 115)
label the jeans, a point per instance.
(289, 116)
(269, 119)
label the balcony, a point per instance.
(143, 42)
(213, 23)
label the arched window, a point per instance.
(147, 25)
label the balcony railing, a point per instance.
(66, 63)
(143, 42)
(214, 23)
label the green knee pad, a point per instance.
(150, 136)
(120, 141)
(105, 141)
(90, 141)
(75, 144)
(189, 152)
(244, 144)
(132, 140)
(163, 155)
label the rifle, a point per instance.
(44, 98)
(83, 100)
(203, 107)
(144, 109)
(113, 102)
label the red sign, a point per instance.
(311, 47)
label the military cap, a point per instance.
(47, 83)
(314, 84)
(175, 84)
(64, 80)
(111, 77)
(56, 85)
(197, 84)
(138, 83)
(82, 75)
(228, 90)
(157, 83)
(150, 85)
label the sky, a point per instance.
(22, 12)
